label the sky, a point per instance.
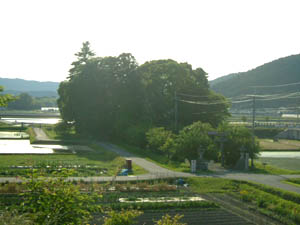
(38, 38)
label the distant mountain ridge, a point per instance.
(34, 88)
(281, 71)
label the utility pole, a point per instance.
(175, 112)
(253, 126)
(297, 116)
(298, 113)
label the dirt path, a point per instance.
(40, 134)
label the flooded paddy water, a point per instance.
(13, 135)
(280, 154)
(31, 120)
(24, 147)
(12, 142)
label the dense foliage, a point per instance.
(115, 97)
(196, 138)
(238, 137)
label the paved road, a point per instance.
(156, 172)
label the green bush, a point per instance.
(57, 201)
(162, 140)
(168, 220)
(121, 217)
(191, 138)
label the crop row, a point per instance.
(77, 171)
(9, 199)
(273, 202)
(192, 217)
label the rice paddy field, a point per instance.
(284, 154)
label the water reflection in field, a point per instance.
(32, 120)
(283, 154)
(22, 147)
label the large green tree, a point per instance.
(163, 79)
(100, 93)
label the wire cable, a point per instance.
(282, 85)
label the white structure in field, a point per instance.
(50, 109)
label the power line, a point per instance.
(194, 96)
(203, 103)
(237, 102)
(282, 85)
(280, 97)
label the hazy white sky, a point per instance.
(39, 38)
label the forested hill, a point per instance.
(34, 88)
(281, 71)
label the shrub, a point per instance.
(162, 140)
(57, 201)
(121, 218)
(168, 220)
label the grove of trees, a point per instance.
(115, 97)
(150, 105)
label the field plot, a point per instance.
(222, 201)
(292, 164)
(282, 144)
(88, 161)
(193, 217)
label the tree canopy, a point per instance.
(108, 95)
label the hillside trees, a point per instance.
(278, 72)
(24, 101)
(115, 97)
